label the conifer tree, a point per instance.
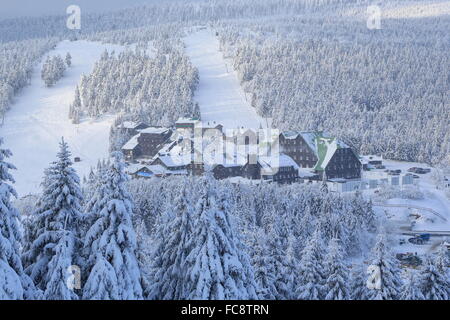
(215, 269)
(110, 243)
(358, 286)
(14, 283)
(68, 59)
(411, 288)
(169, 274)
(55, 245)
(336, 282)
(311, 278)
(389, 271)
(434, 281)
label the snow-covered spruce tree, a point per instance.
(411, 288)
(110, 242)
(389, 271)
(434, 282)
(14, 283)
(68, 59)
(358, 284)
(214, 268)
(52, 70)
(168, 280)
(75, 108)
(278, 246)
(442, 260)
(310, 273)
(336, 281)
(264, 266)
(55, 245)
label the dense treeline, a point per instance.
(155, 90)
(192, 11)
(384, 91)
(17, 61)
(330, 71)
(196, 238)
(53, 70)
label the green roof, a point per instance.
(326, 147)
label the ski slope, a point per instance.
(219, 93)
(39, 118)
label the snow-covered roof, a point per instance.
(323, 145)
(210, 124)
(129, 124)
(270, 165)
(133, 168)
(187, 120)
(367, 158)
(306, 173)
(154, 130)
(153, 170)
(325, 149)
(171, 160)
(132, 143)
(286, 161)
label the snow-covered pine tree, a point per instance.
(336, 279)
(76, 108)
(358, 286)
(442, 260)
(411, 288)
(14, 283)
(168, 280)
(434, 282)
(110, 242)
(55, 244)
(214, 268)
(389, 271)
(277, 247)
(68, 59)
(310, 273)
(264, 266)
(52, 70)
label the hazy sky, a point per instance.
(15, 8)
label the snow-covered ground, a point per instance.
(402, 220)
(219, 93)
(416, 10)
(433, 198)
(39, 118)
(404, 10)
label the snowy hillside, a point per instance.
(39, 118)
(219, 94)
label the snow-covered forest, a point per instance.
(154, 90)
(196, 238)
(307, 64)
(17, 61)
(336, 75)
(53, 69)
(343, 65)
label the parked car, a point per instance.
(409, 259)
(420, 239)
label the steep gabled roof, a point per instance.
(132, 143)
(323, 145)
(325, 149)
